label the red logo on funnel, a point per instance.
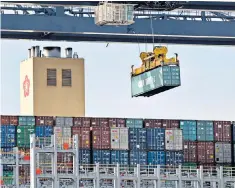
(26, 86)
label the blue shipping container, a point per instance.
(205, 131)
(174, 158)
(137, 138)
(84, 156)
(44, 131)
(101, 156)
(27, 120)
(8, 136)
(189, 130)
(156, 158)
(155, 139)
(120, 157)
(138, 157)
(134, 123)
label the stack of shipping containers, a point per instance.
(155, 142)
(8, 142)
(174, 142)
(137, 142)
(117, 140)
(223, 142)
(81, 127)
(100, 140)
(25, 127)
(189, 128)
(63, 135)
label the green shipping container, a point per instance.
(155, 81)
(23, 135)
(189, 165)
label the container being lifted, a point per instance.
(114, 14)
(156, 74)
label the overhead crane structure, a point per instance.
(202, 23)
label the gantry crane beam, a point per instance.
(191, 5)
(71, 28)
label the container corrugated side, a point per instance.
(205, 131)
(26, 121)
(117, 122)
(84, 156)
(190, 152)
(84, 135)
(119, 138)
(101, 138)
(174, 158)
(101, 156)
(189, 130)
(134, 123)
(44, 131)
(82, 122)
(9, 120)
(44, 120)
(138, 157)
(156, 158)
(23, 135)
(137, 138)
(206, 152)
(8, 136)
(153, 123)
(170, 123)
(173, 139)
(155, 139)
(223, 153)
(120, 156)
(156, 81)
(223, 131)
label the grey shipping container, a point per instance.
(173, 139)
(155, 81)
(64, 121)
(119, 138)
(223, 152)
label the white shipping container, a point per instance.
(174, 139)
(119, 138)
(114, 14)
(63, 135)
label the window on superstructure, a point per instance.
(66, 77)
(51, 77)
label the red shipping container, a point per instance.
(153, 123)
(95, 122)
(190, 152)
(117, 122)
(223, 131)
(104, 122)
(82, 122)
(44, 120)
(84, 136)
(170, 123)
(205, 152)
(14, 120)
(5, 120)
(101, 138)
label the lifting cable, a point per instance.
(151, 20)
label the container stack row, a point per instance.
(127, 141)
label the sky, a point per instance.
(207, 90)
